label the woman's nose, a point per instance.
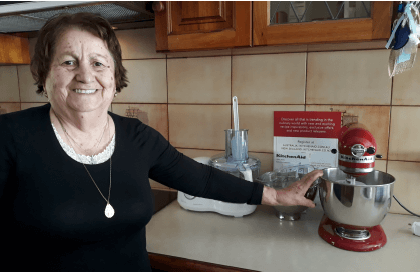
(84, 73)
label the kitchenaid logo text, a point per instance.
(290, 157)
(364, 159)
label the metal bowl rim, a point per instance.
(358, 185)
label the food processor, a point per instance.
(245, 167)
(355, 197)
(235, 161)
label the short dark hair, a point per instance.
(56, 26)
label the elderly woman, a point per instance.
(74, 178)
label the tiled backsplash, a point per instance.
(187, 97)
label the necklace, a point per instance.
(109, 210)
(96, 146)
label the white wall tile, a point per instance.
(9, 87)
(404, 135)
(406, 87)
(199, 80)
(27, 87)
(269, 79)
(138, 43)
(349, 77)
(147, 82)
(406, 186)
(199, 126)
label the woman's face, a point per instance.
(81, 77)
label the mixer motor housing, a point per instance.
(356, 150)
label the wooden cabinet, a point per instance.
(195, 25)
(161, 263)
(14, 50)
(350, 30)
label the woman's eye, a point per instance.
(69, 62)
(98, 64)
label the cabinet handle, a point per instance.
(158, 6)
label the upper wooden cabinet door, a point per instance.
(195, 25)
(377, 27)
(14, 50)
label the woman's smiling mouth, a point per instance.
(82, 91)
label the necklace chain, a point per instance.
(68, 135)
(110, 166)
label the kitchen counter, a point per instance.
(162, 198)
(260, 241)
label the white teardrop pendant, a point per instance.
(109, 211)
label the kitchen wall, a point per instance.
(187, 97)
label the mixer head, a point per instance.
(357, 150)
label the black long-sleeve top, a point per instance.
(52, 215)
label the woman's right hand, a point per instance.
(292, 195)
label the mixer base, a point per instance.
(328, 231)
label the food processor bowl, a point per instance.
(363, 201)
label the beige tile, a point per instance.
(32, 42)
(259, 120)
(266, 161)
(199, 126)
(199, 80)
(269, 79)
(405, 90)
(147, 82)
(153, 115)
(375, 118)
(347, 46)
(9, 87)
(404, 135)
(349, 77)
(138, 43)
(406, 186)
(9, 107)
(25, 106)
(27, 87)
(204, 53)
(380, 165)
(269, 49)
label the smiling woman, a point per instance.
(74, 178)
(55, 27)
(81, 76)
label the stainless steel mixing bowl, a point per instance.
(363, 203)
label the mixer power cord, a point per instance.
(405, 207)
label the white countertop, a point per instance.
(260, 241)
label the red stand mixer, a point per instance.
(354, 196)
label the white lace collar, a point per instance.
(95, 159)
